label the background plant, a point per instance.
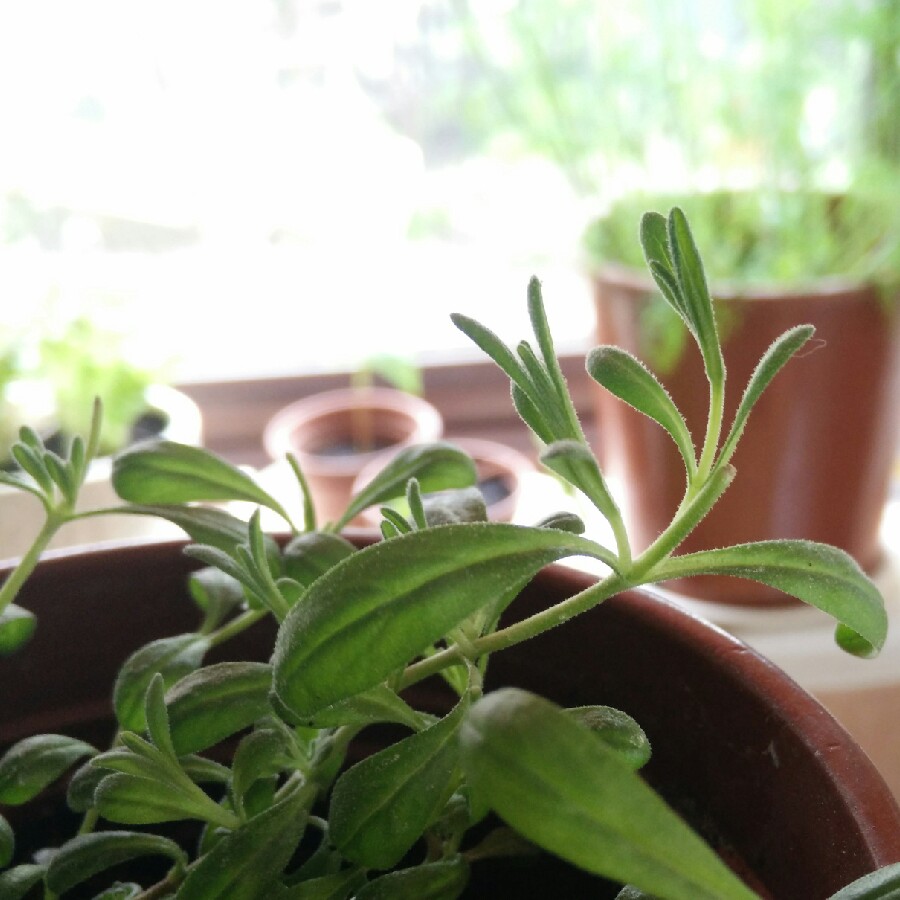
(357, 628)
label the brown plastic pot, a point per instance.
(500, 469)
(815, 461)
(748, 757)
(336, 434)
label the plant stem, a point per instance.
(236, 626)
(713, 432)
(11, 587)
(518, 631)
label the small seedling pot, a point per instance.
(335, 434)
(816, 461)
(748, 757)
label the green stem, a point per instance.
(518, 632)
(713, 433)
(236, 626)
(20, 574)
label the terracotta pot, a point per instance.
(748, 757)
(335, 434)
(500, 468)
(171, 415)
(815, 461)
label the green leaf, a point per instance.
(414, 588)
(488, 342)
(781, 350)
(574, 462)
(435, 466)
(261, 754)
(168, 472)
(882, 884)
(630, 380)
(247, 863)
(34, 762)
(87, 854)
(336, 886)
(551, 780)
(21, 483)
(617, 730)
(378, 704)
(451, 507)
(127, 890)
(564, 521)
(157, 716)
(30, 461)
(15, 883)
(82, 784)
(7, 843)
(312, 554)
(17, 625)
(698, 303)
(173, 657)
(381, 806)
(444, 880)
(655, 243)
(204, 525)
(130, 800)
(531, 415)
(217, 594)
(818, 574)
(215, 702)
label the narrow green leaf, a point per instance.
(203, 525)
(157, 716)
(22, 483)
(698, 303)
(443, 880)
(17, 625)
(7, 843)
(882, 884)
(168, 472)
(381, 806)
(781, 350)
(336, 886)
(818, 574)
(435, 466)
(247, 863)
(488, 342)
(204, 771)
(415, 588)
(129, 800)
(378, 704)
(31, 439)
(173, 657)
(261, 754)
(215, 702)
(77, 459)
(574, 462)
(34, 762)
(217, 594)
(63, 476)
(551, 779)
(655, 243)
(15, 883)
(31, 462)
(87, 854)
(531, 415)
(630, 380)
(312, 554)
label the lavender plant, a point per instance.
(358, 627)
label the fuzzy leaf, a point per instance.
(818, 574)
(82, 784)
(781, 350)
(414, 588)
(247, 863)
(129, 800)
(310, 555)
(882, 884)
(551, 780)
(378, 704)
(381, 806)
(336, 886)
(15, 883)
(695, 293)
(16, 628)
(167, 472)
(217, 594)
(630, 380)
(173, 657)
(34, 762)
(87, 854)
(7, 843)
(215, 702)
(443, 880)
(435, 466)
(261, 754)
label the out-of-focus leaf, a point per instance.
(34, 762)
